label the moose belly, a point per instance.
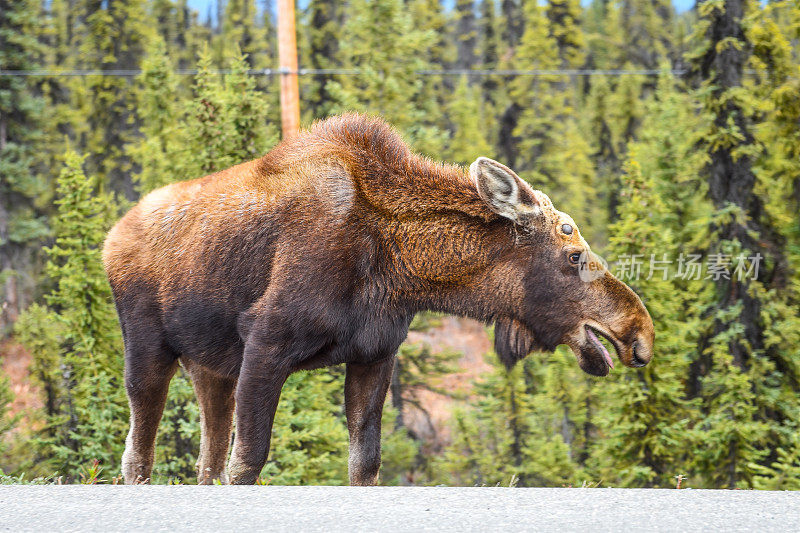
(203, 329)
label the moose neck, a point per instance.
(456, 264)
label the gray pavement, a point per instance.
(301, 509)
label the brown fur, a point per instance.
(320, 253)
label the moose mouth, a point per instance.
(599, 361)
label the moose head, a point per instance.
(569, 296)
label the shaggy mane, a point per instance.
(383, 167)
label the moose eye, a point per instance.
(574, 258)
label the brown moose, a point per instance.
(320, 253)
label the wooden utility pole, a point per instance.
(287, 56)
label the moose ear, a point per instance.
(504, 191)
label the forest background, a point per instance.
(673, 139)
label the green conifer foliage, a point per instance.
(469, 140)
(399, 453)
(644, 421)
(112, 36)
(380, 40)
(749, 391)
(309, 438)
(554, 155)
(7, 420)
(466, 34)
(488, 46)
(565, 29)
(89, 408)
(777, 170)
(178, 439)
(226, 122)
(23, 192)
(320, 47)
(239, 31)
(647, 27)
(504, 439)
(159, 115)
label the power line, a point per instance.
(349, 72)
(549, 72)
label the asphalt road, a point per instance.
(302, 509)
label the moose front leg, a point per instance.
(257, 394)
(365, 389)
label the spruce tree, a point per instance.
(469, 139)
(748, 390)
(88, 419)
(465, 34)
(644, 421)
(8, 421)
(322, 37)
(553, 153)
(488, 46)
(380, 40)
(239, 33)
(565, 29)
(226, 122)
(159, 116)
(772, 31)
(112, 36)
(647, 27)
(309, 438)
(506, 438)
(23, 190)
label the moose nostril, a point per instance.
(636, 360)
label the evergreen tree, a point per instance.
(323, 26)
(624, 118)
(772, 31)
(225, 123)
(504, 440)
(469, 140)
(748, 390)
(178, 439)
(398, 451)
(379, 40)
(603, 35)
(112, 37)
(89, 410)
(553, 154)
(645, 423)
(159, 116)
(488, 46)
(431, 19)
(647, 29)
(23, 191)
(8, 421)
(238, 31)
(466, 34)
(605, 154)
(309, 438)
(417, 369)
(565, 29)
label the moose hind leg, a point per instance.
(215, 397)
(365, 389)
(147, 376)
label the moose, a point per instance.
(320, 253)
